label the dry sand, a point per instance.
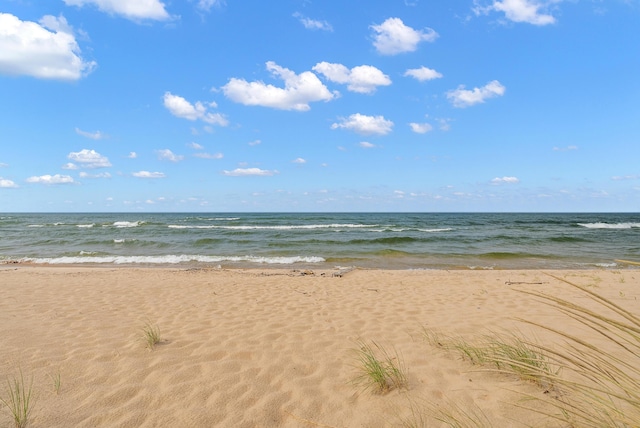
(266, 348)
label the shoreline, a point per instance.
(271, 347)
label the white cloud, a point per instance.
(423, 73)
(97, 135)
(625, 177)
(206, 5)
(366, 145)
(255, 143)
(242, 172)
(51, 179)
(209, 155)
(132, 155)
(528, 11)
(70, 165)
(100, 175)
(147, 174)
(28, 48)
(89, 159)
(166, 154)
(565, 149)
(312, 24)
(299, 90)
(420, 128)
(445, 124)
(182, 108)
(363, 79)
(505, 180)
(363, 124)
(130, 9)
(299, 160)
(393, 37)
(464, 97)
(195, 146)
(5, 183)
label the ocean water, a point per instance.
(294, 240)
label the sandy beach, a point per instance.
(271, 348)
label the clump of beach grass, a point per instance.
(55, 379)
(508, 353)
(447, 412)
(151, 335)
(600, 384)
(380, 370)
(19, 400)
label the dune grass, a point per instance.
(600, 384)
(594, 386)
(447, 412)
(507, 353)
(151, 335)
(55, 379)
(19, 400)
(379, 370)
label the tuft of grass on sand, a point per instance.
(380, 370)
(19, 400)
(151, 335)
(55, 379)
(508, 353)
(423, 414)
(600, 385)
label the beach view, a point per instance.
(305, 213)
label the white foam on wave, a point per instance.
(173, 259)
(85, 226)
(601, 225)
(277, 227)
(122, 224)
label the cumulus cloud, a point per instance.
(180, 107)
(420, 128)
(299, 161)
(51, 179)
(132, 155)
(5, 183)
(299, 90)
(89, 159)
(242, 172)
(505, 180)
(366, 145)
(528, 11)
(363, 79)
(423, 73)
(366, 125)
(312, 24)
(132, 10)
(464, 97)
(393, 37)
(148, 174)
(166, 154)
(45, 50)
(97, 135)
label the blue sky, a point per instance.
(309, 105)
